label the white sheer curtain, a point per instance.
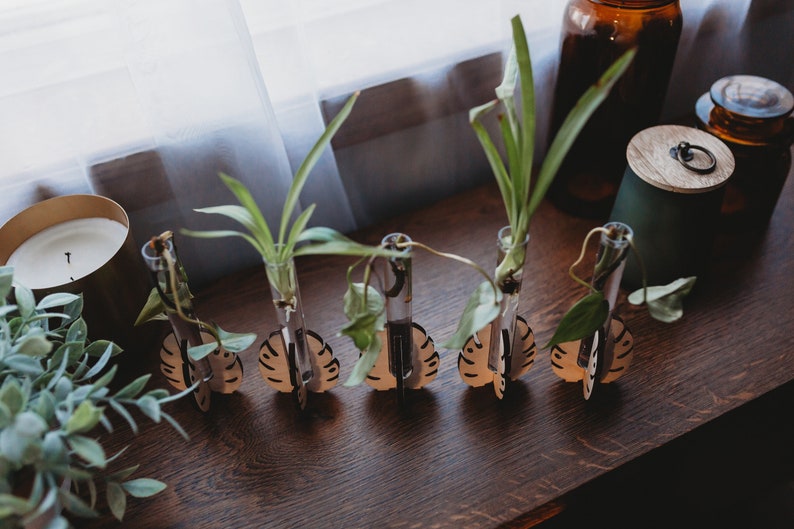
(146, 100)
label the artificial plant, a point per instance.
(54, 394)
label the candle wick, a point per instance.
(70, 277)
(68, 257)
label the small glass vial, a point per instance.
(752, 116)
(595, 34)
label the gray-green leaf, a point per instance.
(117, 499)
(666, 302)
(143, 487)
(88, 449)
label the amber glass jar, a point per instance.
(752, 115)
(596, 33)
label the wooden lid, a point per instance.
(649, 156)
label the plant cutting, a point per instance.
(592, 343)
(195, 353)
(494, 301)
(589, 313)
(54, 393)
(301, 347)
(366, 311)
(521, 195)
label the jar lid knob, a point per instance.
(683, 153)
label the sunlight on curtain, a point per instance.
(146, 100)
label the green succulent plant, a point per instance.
(54, 393)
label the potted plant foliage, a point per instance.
(54, 395)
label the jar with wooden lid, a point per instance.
(752, 115)
(595, 33)
(670, 195)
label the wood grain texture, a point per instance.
(456, 456)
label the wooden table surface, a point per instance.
(455, 456)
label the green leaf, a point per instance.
(133, 388)
(197, 352)
(84, 418)
(328, 241)
(75, 505)
(258, 239)
(494, 158)
(573, 124)
(74, 309)
(297, 229)
(175, 425)
(59, 299)
(123, 474)
(143, 487)
(153, 308)
(121, 410)
(11, 504)
(29, 424)
(35, 345)
(364, 364)
(366, 315)
(527, 109)
(235, 342)
(247, 201)
(24, 364)
(101, 362)
(88, 449)
(45, 405)
(25, 300)
(481, 309)
(218, 234)
(582, 320)
(117, 499)
(12, 396)
(6, 280)
(150, 407)
(666, 302)
(99, 348)
(309, 162)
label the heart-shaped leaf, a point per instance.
(481, 309)
(583, 319)
(665, 302)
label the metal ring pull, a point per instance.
(683, 153)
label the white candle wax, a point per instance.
(66, 252)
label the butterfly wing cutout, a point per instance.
(473, 358)
(424, 366)
(274, 364)
(564, 355)
(181, 372)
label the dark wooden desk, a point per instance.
(457, 457)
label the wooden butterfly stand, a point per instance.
(219, 372)
(515, 355)
(294, 359)
(280, 367)
(606, 355)
(407, 358)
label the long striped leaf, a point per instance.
(527, 107)
(247, 201)
(309, 162)
(573, 124)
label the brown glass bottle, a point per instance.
(752, 115)
(595, 34)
